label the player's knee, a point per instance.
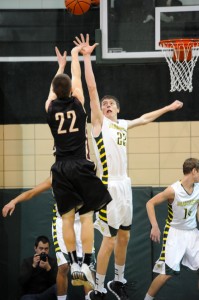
(69, 217)
(123, 237)
(88, 217)
(109, 243)
(165, 277)
(63, 269)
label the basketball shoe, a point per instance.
(118, 289)
(86, 276)
(75, 274)
(95, 295)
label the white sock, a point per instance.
(99, 282)
(86, 297)
(64, 297)
(148, 297)
(119, 273)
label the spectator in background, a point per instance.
(59, 246)
(38, 273)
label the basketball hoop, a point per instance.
(181, 56)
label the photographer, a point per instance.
(38, 273)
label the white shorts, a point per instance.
(118, 213)
(59, 245)
(179, 246)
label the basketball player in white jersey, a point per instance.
(59, 245)
(110, 141)
(181, 236)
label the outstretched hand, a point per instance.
(8, 208)
(176, 105)
(85, 49)
(61, 58)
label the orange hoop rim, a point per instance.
(176, 43)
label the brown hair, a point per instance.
(190, 164)
(61, 86)
(111, 97)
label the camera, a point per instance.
(43, 256)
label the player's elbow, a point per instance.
(92, 88)
(143, 120)
(149, 204)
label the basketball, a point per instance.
(77, 7)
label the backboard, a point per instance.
(127, 33)
(30, 30)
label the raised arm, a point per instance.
(62, 64)
(166, 195)
(77, 90)
(25, 196)
(96, 113)
(151, 116)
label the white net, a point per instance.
(181, 58)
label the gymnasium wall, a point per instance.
(155, 151)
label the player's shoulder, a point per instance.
(123, 123)
(196, 185)
(176, 184)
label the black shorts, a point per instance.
(75, 183)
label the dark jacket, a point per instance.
(36, 280)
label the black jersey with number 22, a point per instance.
(67, 120)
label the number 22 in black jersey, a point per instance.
(60, 117)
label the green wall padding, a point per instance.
(9, 248)
(139, 256)
(36, 219)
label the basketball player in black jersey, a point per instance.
(75, 184)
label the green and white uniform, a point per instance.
(181, 236)
(111, 153)
(58, 241)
